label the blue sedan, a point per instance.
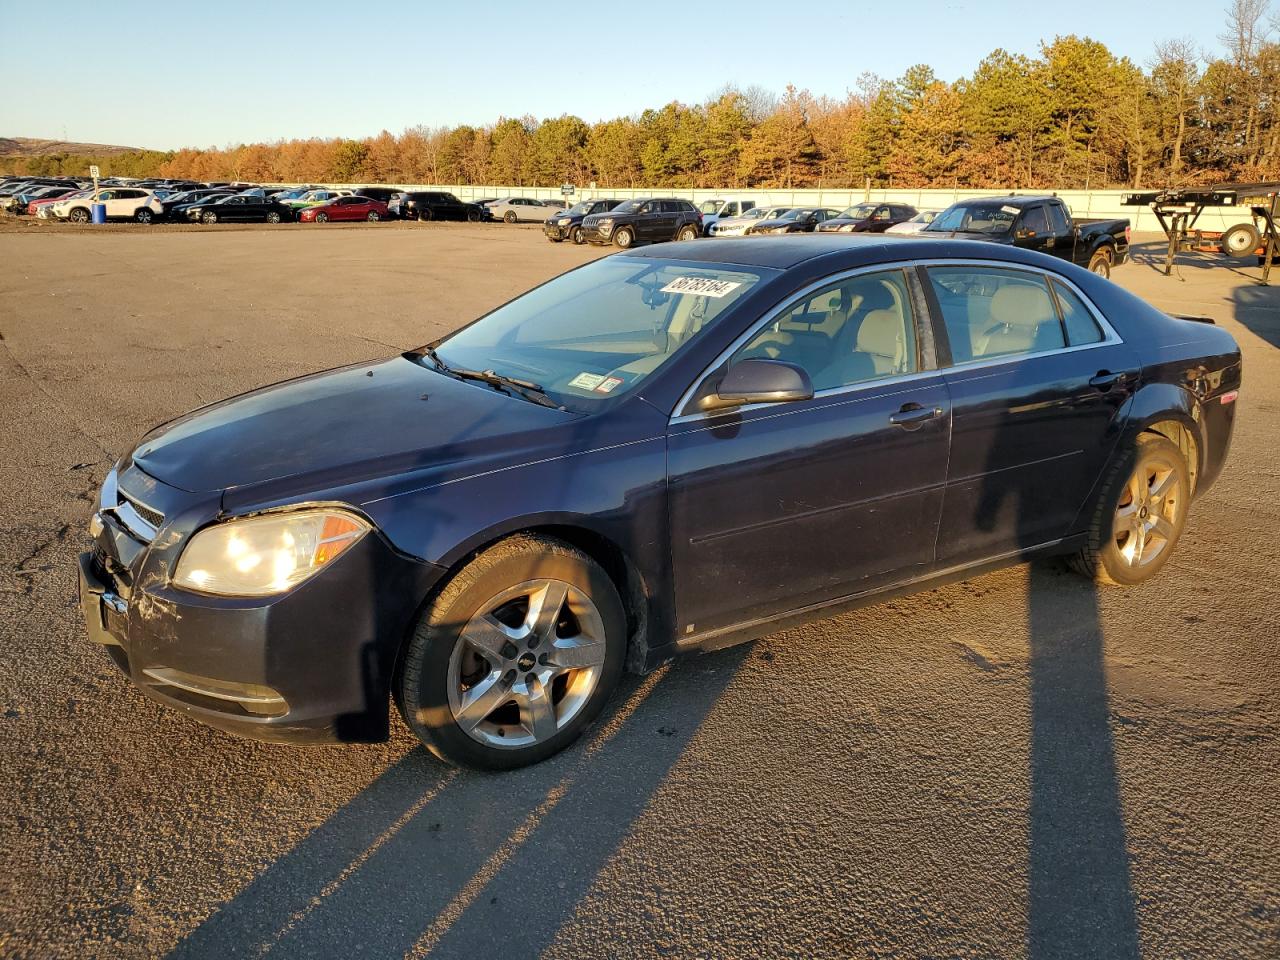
(666, 450)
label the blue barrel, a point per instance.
(99, 211)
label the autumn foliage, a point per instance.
(1075, 116)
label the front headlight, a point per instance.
(260, 556)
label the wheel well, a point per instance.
(1181, 437)
(626, 580)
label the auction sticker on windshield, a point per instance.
(701, 286)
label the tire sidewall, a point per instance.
(1101, 259)
(624, 232)
(1241, 228)
(422, 688)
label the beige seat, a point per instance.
(1023, 320)
(880, 335)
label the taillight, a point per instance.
(1229, 397)
(1128, 230)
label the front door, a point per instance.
(778, 506)
(1038, 387)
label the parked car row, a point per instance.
(1040, 223)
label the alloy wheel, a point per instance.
(525, 665)
(1147, 517)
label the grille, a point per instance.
(153, 517)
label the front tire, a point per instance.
(210, 218)
(515, 657)
(322, 218)
(509, 217)
(623, 237)
(424, 215)
(577, 236)
(78, 215)
(1140, 514)
(473, 216)
(1100, 262)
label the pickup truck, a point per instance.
(1036, 223)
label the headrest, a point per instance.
(880, 332)
(1021, 305)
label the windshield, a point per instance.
(859, 211)
(628, 206)
(710, 206)
(583, 207)
(975, 218)
(595, 333)
(774, 212)
(924, 216)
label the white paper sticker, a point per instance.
(608, 384)
(1014, 210)
(701, 286)
(587, 381)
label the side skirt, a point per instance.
(755, 629)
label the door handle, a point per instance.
(1105, 379)
(912, 416)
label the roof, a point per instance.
(1011, 200)
(844, 250)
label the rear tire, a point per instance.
(525, 683)
(1140, 514)
(623, 237)
(1241, 240)
(687, 232)
(143, 215)
(424, 215)
(373, 216)
(1100, 262)
(473, 216)
(273, 217)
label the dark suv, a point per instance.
(568, 225)
(433, 205)
(656, 220)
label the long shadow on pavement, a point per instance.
(456, 863)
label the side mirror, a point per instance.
(759, 381)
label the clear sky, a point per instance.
(171, 74)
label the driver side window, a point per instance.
(858, 330)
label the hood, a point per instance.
(341, 426)
(835, 222)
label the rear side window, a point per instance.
(1081, 327)
(1058, 218)
(995, 313)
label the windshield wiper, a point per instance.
(524, 389)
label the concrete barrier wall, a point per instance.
(1083, 203)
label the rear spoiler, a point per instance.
(1183, 316)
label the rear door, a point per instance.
(778, 506)
(1038, 384)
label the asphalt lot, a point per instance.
(1015, 766)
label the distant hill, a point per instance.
(30, 147)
